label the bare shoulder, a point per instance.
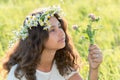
(76, 76)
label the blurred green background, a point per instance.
(13, 12)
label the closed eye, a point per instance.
(52, 30)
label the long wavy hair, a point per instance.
(27, 53)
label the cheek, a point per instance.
(51, 42)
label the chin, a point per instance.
(62, 46)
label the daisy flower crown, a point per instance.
(39, 18)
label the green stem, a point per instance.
(91, 40)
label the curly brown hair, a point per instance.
(27, 53)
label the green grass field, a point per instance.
(13, 12)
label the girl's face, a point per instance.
(56, 38)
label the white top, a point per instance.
(52, 75)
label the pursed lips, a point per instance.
(62, 39)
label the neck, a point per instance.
(46, 60)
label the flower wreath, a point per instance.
(33, 21)
(42, 19)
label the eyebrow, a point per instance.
(59, 24)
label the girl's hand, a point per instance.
(95, 57)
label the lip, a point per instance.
(61, 40)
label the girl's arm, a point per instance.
(76, 76)
(95, 59)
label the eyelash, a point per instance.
(54, 29)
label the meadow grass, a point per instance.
(13, 12)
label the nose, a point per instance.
(60, 33)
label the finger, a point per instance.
(95, 56)
(91, 47)
(95, 51)
(97, 60)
